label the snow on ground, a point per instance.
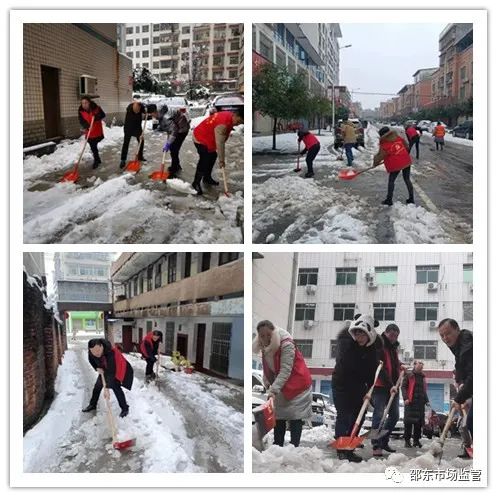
(312, 457)
(66, 440)
(285, 143)
(460, 141)
(108, 206)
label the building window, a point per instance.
(137, 55)
(146, 65)
(346, 275)
(220, 347)
(305, 312)
(217, 61)
(462, 92)
(145, 54)
(266, 47)
(150, 274)
(128, 290)
(164, 64)
(145, 28)
(463, 73)
(156, 53)
(425, 349)
(156, 27)
(234, 45)
(185, 30)
(129, 31)
(158, 275)
(185, 43)
(343, 312)
(467, 271)
(137, 42)
(427, 274)
(233, 73)
(156, 39)
(305, 347)
(129, 54)
(386, 275)
(467, 309)
(171, 268)
(384, 312)
(155, 65)
(206, 261)
(308, 276)
(225, 257)
(169, 339)
(333, 349)
(129, 43)
(426, 311)
(135, 287)
(188, 265)
(149, 326)
(233, 60)
(145, 41)
(140, 284)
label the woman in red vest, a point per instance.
(87, 111)
(394, 152)
(287, 379)
(109, 361)
(311, 147)
(209, 138)
(413, 134)
(415, 396)
(149, 348)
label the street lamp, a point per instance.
(333, 94)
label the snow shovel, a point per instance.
(351, 173)
(73, 176)
(353, 441)
(466, 437)
(298, 168)
(437, 448)
(119, 445)
(160, 175)
(157, 381)
(379, 432)
(135, 165)
(226, 192)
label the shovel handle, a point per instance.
(390, 400)
(364, 170)
(109, 413)
(447, 424)
(142, 136)
(224, 180)
(86, 141)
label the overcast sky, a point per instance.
(383, 57)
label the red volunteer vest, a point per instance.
(147, 338)
(204, 132)
(309, 140)
(300, 377)
(97, 129)
(120, 364)
(411, 382)
(411, 132)
(397, 156)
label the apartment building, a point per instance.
(61, 62)
(422, 87)
(413, 290)
(204, 54)
(195, 299)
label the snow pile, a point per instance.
(460, 141)
(181, 186)
(414, 224)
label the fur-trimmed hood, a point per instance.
(277, 336)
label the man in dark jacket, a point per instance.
(149, 347)
(109, 361)
(133, 127)
(357, 356)
(460, 343)
(177, 127)
(385, 386)
(415, 399)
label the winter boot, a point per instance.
(410, 201)
(464, 455)
(352, 457)
(417, 443)
(196, 184)
(388, 448)
(124, 412)
(378, 452)
(96, 164)
(122, 164)
(89, 407)
(148, 378)
(408, 444)
(209, 180)
(309, 175)
(387, 201)
(142, 159)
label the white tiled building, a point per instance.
(413, 290)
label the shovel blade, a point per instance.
(159, 176)
(125, 444)
(376, 434)
(133, 166)
(347, 443)
(347, 174)
(70, 177)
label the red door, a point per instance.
(127, 338)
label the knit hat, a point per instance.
(365, 324)
(384, 130)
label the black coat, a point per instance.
(389, 380)
(108, 363)
(133, 121)
(415, 411)
(463, 352)
(355, 367)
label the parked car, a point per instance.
(322, 411)
(436, 424)
(232, 101)
(464, 130)
(338, 143)
(173, 104)
(398, 431)
(409, 122)
(424, 125)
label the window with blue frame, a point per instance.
(325, 387)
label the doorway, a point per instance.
(127, 338)
(182, 344)
(51, 101)
(199, 354)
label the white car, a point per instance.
(398, 431)
(424, 125)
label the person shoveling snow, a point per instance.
(311, 148)
(149, 347)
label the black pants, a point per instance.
(414, 142)
(205, 164)
(295, 432)
(412, 430)
(441, 144)
(175, 148)
(93, 142)
(150, 365)
(406, 172)
(124, 150)
(311, 155)
(116, 388)
(347, 413)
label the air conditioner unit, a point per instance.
(308, 324)
(432, 324)
(310, 289)
(88, 85)
(407, 355)
(432, 287)
(372, 284)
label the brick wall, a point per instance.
(44, 343)
(74, 52)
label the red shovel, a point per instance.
(119, 445)
(353, 441)
(349, 174)
(73, 176)
(135, 165)
(160, 175)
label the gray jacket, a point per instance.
(173, 125)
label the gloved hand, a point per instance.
(166, 147)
